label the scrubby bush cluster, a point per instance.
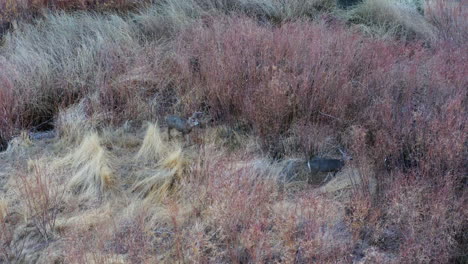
(385, 79)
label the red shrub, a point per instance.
(428, 217)
(450, 18)
(408, 101)
(273, 77)
(41, 195)
(245, 219)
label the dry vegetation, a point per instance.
(276, 80)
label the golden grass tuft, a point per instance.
(165, 181)
(90, 163)
(155, 188)
(350, 179)
(3, 209)
(392, 18)
(153, 147)
(87, 220)
(176, 161)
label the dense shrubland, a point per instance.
(384, 79)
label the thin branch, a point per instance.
(327, 115)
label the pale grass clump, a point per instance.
(129, 229)
(61, 59)
(11, 10)
(164, 20)
(153, 214)
(153, 148)
(392, 19)
(91, 167)
(87, 220)
(154, 187)
(72, 123)
(297, 9)
(171, 164)
(225, 205)
(19, 144)
(176, 160)
(165, 182)
(229, 139)
(3, 209)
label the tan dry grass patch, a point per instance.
(165, 182)
(153, 147)
(3, 209)
(392, 18)
(91, 167)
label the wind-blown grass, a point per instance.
(92, 173)
(401, 18)
(280, 79)
(153, 147)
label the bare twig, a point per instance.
(327, 115)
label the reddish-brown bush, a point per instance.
(41, 197)
(7, 113)
(245, 219)
(409, 101)
(408, 97)
(405, 103)
(450, 18)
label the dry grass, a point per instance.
(41, 197)
(280, 79)
(3, 210)
(91, 167)
(43, 66)
(153, 147)
(166, 180)
(400, 18)
(71, 123)
(11, 10)
(188, 208)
